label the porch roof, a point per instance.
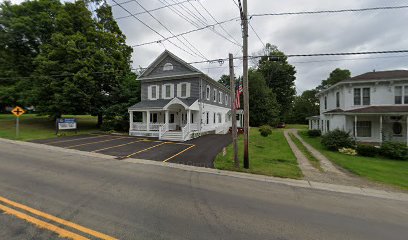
(159, 104)
(403, 109)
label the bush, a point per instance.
(314, 133)
(348, 151)
(337, 139)
(265, 130)
(394, 150)
(367, 150)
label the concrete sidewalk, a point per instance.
(364, 191)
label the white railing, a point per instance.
(162, 130)
(172, 127)
(194, 127)
(138, 126)
(185, 132)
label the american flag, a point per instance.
(238, 88)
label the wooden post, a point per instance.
(245, 84)
(17, 127)
(233, 110)
(381, 129)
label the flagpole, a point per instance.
(233, 110)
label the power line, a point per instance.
(209, 13)
(259, 38)
(138, 19)
(199, 53)
(151, 10)
(330, 11)
(205, 19)
(350, 59)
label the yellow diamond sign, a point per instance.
(18, 111)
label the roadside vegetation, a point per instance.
(34, 127)
(380, 169)
(269, 156)
(314, 161)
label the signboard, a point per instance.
(18, 111)
(66, 124)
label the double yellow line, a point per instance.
(42, 224)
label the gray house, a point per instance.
(179, 102)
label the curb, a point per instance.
(368, 192)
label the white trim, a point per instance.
(208, 92)
(215, 96)
(180, 91)
(175, 101)
(171, 91)
(220, 97)
(150, 95)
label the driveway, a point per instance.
(197, 152)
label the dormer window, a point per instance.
(168, 67)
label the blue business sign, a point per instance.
(66, 123)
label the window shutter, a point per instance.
(149, 92)
(172, 90)
(157, 92)
(164, 91)
(188, 89)
(179, 90)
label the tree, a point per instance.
(264, 108)
(225, 80)
(280, 77)
(336, 76)
(304, 106)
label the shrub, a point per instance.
(314, 133)
(367, 150)
(265, 130)
(337, 139)
(348, 151)
(394, 150)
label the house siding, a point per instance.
(213, 86)
(194, 87)
(178, 68)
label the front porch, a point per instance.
(378, 128)
(175, 121)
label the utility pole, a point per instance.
(245, 83)
(233, 110)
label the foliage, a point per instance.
(225, 80)
(336, 76)
(367, 150)
(394, 150)
(265, 130)
(280, 77)
(314, 133)
(304, 106)
(348, 151)
(337, 139)
(263, 108)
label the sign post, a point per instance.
(17, 111)
(66, 124)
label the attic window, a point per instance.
(168, 67)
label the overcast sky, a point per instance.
(323, 33)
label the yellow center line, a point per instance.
(55, 219)
(61, 232)
(175, 155)
(83, 144)
(146, 149)
(98, 150)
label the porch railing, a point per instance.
(163, 129)
(139, 126)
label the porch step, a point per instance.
(173, 136)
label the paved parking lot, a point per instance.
(197, 152)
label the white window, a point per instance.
(168, 67)
(207, 93)
(168, 91)
(153, 92)
(363, 129)
(183, 90)
(215, 95)
(219, 118)
(207, 118)
(226, 99)
(153, 117)
(398, 94)
(362, 98)
(220, 97)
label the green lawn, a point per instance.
(314, 161)
(297, 126)
(378, 169)
(40, 127)
(270, 156)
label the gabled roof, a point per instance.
(161, 103)
(372, 76)
(160, 59)
(393, 109)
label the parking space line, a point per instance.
(143, 150)
(71, 140)
(186, 144)
(143, 140)
(83, 144)
(175, 155)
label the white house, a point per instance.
(373, 107)
(179, 102)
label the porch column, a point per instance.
(147, 120)
(130, 120)
(381, 129)
(167, 120)
(355, 126)
(188, 119)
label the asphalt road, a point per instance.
(140, 201)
